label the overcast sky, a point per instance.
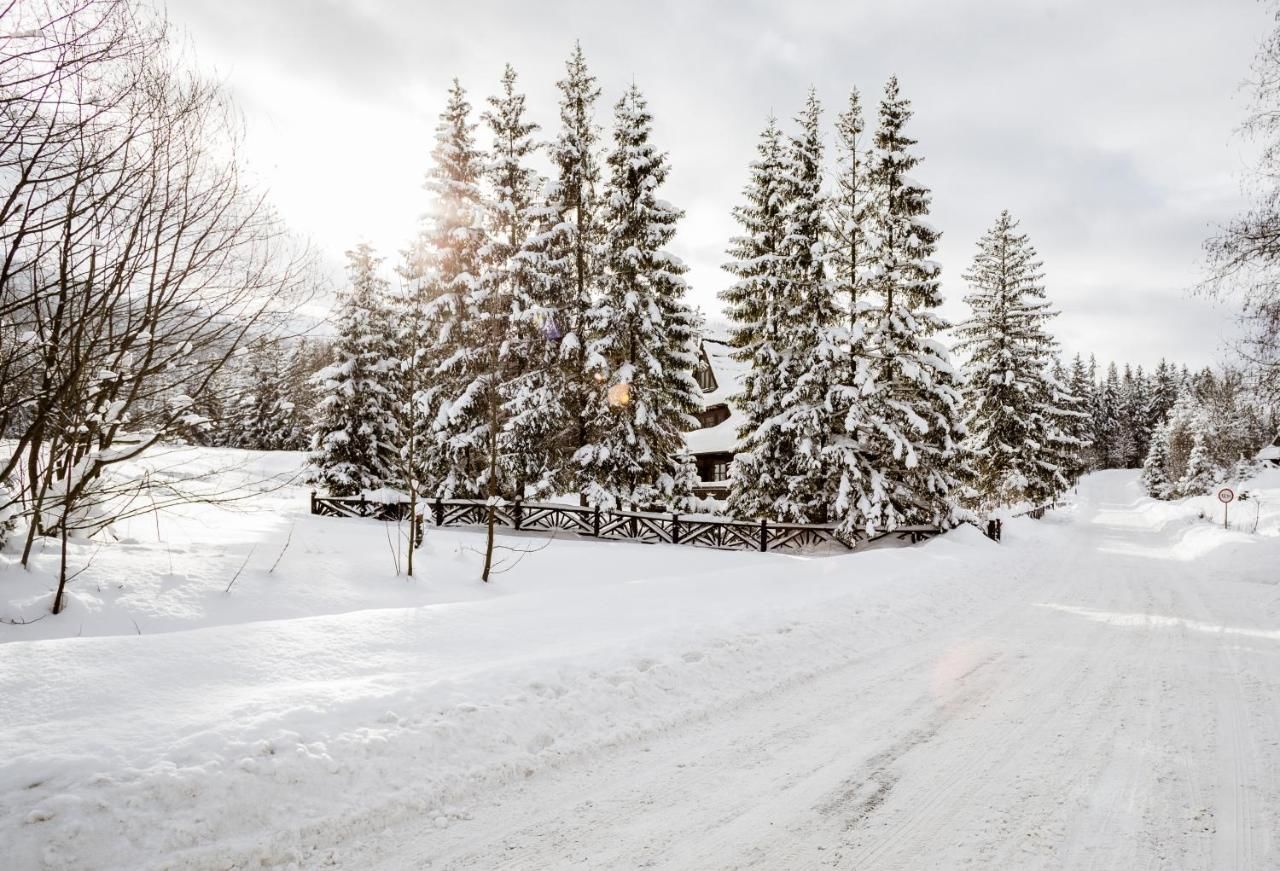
(1106, 126)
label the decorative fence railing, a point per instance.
(639, 526)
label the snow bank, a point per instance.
(165, 722)
(325, 696)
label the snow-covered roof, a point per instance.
(729, 375)
(715, 439)
(1270, 452)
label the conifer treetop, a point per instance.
(903, 240)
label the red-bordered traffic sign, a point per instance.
(1225, 495)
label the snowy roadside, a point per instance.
(325, 698)
(244, 744)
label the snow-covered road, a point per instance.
(1101, 690)
(1119, 709)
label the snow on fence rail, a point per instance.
(1038, 512)
(642, 526)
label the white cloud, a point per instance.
(1106, 127)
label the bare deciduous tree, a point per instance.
(1244, 257)
(136, 259)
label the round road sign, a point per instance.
(1226, 494)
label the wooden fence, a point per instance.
(1038, 512)
(993, 529)
(642, 526)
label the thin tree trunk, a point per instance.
(492, 485)
(62, 568)
(410, 468)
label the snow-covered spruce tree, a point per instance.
(1069, 415)
(1162, 393)
(460, 321)
(1184, 419)
(1098, 433)
(303, 359)
(810, 339)
(758, 475)
(512, 282)
(912, 403)
(1132, 413)
(1112, 444)
(1082, 388)
(846, 456)
(356, 436)
(1200, 474)
(847, 459)
(1155, 468)
(849, 217)
(644, 345)
(568, 249)
(263, 415)
(1013, 437)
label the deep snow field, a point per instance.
(1100, 690)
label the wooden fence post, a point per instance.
(438, 507)
(675, 528)
(595, 522)
(313, 502)
(516, 515)
(764, 535)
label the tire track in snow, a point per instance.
(693, 788)
(968, 761)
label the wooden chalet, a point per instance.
(715, 442)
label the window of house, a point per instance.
(706, 380)
(714, 415)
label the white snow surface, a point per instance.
(1096, 691)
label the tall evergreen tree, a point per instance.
(1110, 445)
(912, 402)
(356, 436)
(1118, 438)
(1014, 438)
(1081, 388)
(1079, 423)
(812, 356)
(788, 328)
(513, 285)
(1163, 393)
(848, 459)
(1155, 468)
(264, 417)
(759, 479)
(644, 346)
(850, 213)
(1069, 416)
(1130, 441)
(462, 323)
(569, 247)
